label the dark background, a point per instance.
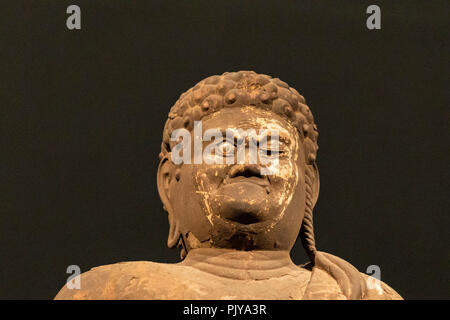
(83, 112)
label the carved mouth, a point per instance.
(244, 218)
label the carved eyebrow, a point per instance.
(282, 138)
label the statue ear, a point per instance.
(163, 179)
(165, 176)
(315, 183)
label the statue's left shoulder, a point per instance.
(378, 290)
(348, 282)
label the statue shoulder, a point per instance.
(127, 280)
(334, 278)
(378, 290)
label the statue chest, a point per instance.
(200, 285)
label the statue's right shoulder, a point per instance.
(127, 280)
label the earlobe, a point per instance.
(165, 175)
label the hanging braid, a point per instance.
(307, 229)
(347, 276)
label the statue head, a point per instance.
(222, 194)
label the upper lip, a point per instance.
(246, 173)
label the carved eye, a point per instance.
(268, 147)
(225, 148)
(270, 152)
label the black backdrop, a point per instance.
(83, 112)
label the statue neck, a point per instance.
(241, 265)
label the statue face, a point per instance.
(233, 204)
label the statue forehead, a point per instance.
(248, 117)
